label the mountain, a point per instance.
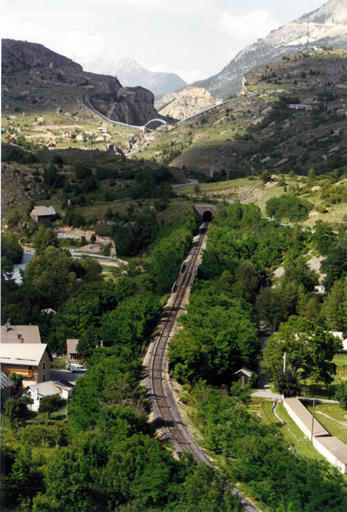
(131, 74)
(290, 115)
(327, 26)
(38, 79)
(190, 101)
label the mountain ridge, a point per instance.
(131, 74)
(34, 75)
(326, 26)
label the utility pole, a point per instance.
(312, 422)
(284, 362)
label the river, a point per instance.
(27, 256)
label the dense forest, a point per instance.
(218, 337)
(106, 456)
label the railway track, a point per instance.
(161, 391)
(162, 395)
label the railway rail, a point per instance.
(162, 394)
(164, 401)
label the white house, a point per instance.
(38, 391)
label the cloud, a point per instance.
(248, 28)
(83, 45)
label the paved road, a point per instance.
(66, 375)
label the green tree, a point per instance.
(287, 383)
(50, 404)
(15, 408)
(17, 379)
(341, 393)
(44, 238)
(335, 306)
(309, 348)
(10, 248)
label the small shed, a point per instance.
(244, 374)
(72, 356)
(42, 213)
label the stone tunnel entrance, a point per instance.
(207, 216)
(205, 211)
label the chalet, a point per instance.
(38, 144)
(6, 385)
(244, 374)
(50, 144)
(42, 213)
(10, 138)
(31, 360)
(20, 333)
(72, 355)
(68, 135)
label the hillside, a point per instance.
(131, 74)
(38, 80)
(326, 27)
(264, 129)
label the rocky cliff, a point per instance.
(132, 105)
(131, 74)
(326, 26)
(35, 77)
(186, 103)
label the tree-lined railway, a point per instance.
(164, 403)
(162, 396)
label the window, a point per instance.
(44, 365)
(43, 377)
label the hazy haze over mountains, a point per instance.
(131, 74)
(326, 26)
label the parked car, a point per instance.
(76, 368)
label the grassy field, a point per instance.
(333, 417)
(290, 431)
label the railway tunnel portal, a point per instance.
(205, 211)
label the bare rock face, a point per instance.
(186, 103)
(327, 26)
(131, 105)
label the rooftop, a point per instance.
(306, 417)
(48, 388)
(45, 210)
(14, 333)
(26, 354)
(336, 447)
(5, 382)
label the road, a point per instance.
(65, 375)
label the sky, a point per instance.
(193, 38)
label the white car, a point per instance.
(78, 368)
